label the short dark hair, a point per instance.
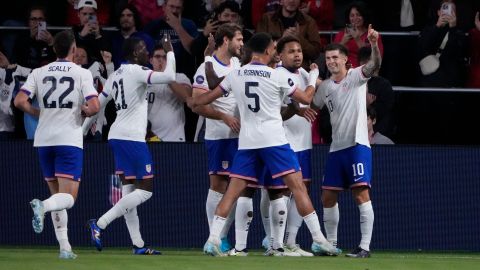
(362, 9)
(284, 40)
(129, 46)
(62, 43)
(158, 46)
(364, 54)
(42, 8)
(226, 30)
(259, 42)
(232, 5)
(371, 112)
(337, 46)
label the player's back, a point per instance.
(259, 91)
(128, 87)
(61, 87)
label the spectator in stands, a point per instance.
(354, 36)
(89, 34)
(34, 49)
(451, 70)
(128, 23)
(102, 12)
(474, 72)
(289, 20)
(380, 96)
(165, 102)
(374, 136)
(182, 32)
(150, 11)
(323, 12)
(260, 7)
(8, 74)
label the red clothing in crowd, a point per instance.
(474, 72)
(103, 14)
(150, 10)
(353, 47)
(259, 7)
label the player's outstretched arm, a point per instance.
(102, 102)
(22, 103)
(375, 61)
(205, 98)
(305, 97)
(212, 79)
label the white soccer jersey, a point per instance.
(7, 85)
(217, 129)
(61, 88)
(165, 111)
(297, 129)
(259, 91)
(346, 102)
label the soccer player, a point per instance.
(349, 162)
(133, 161)
(222, 124)
(66, 93)
(165, 110)
(259, 91)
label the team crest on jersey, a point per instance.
(290, 82)
(148, 168)
(200, 79)
(225, 164)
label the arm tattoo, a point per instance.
(373, 64)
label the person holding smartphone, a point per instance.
(88, 33)
(354, 35)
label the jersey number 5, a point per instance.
(256, 107)
(53, 81)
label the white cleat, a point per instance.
(280, 252)
(38, 215)
(235, 252)
(325, 248)
(212, 248)
(297, 249)
(68, 255)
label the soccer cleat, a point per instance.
(280, 252)
(266, 243)
(225, 245)
(68, 255)
(95, 233)
(38, 215)
(297, 249)
(145, 251)
(213, 248)
(235, 252)
(325, 248)
(358, 253)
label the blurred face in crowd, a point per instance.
(174, 7)
(335, 61)
(356, 19)
(159, 60)
(290, 6)
(80, 57)
(236, 44)
(229, 16)
(36, 16)
(127, 20)
(84, 14)
(291, 55)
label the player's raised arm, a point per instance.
(168, 75)
(305, 97)
(375, 61)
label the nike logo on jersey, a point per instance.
(357, 179)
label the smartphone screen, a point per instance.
(447, 8)
(92, 19)
(42, 26)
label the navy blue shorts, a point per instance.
(220, 155)
(61, 161)
(132, 158)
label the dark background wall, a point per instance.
(424, 197)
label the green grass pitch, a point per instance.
(19, 258)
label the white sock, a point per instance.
(58, 201)
(294, 222)
(131, 219)
(243, 219)
(132, 200)
(265, 212)
(229, 222)
(331, 217)
(278, 218)
(366, 224)
(213, 198)
(218, 223)
(60, 222)
(314, 227)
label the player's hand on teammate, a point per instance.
(307, 113)
(191, 102)
(167, 43)
(372, 35)
(86, 112)
(232, 122)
